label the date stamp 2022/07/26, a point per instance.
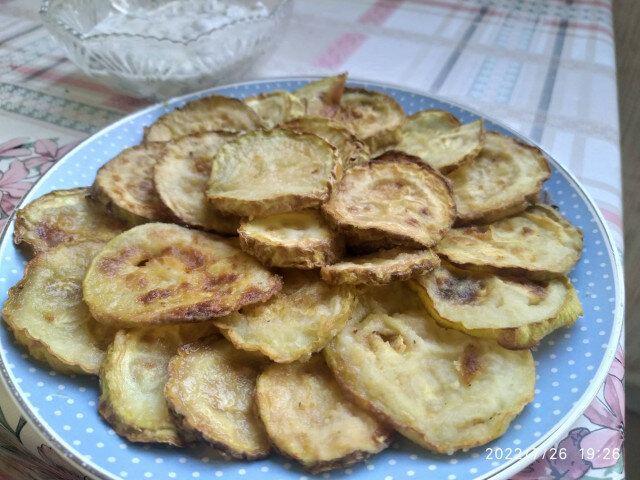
(553, 453)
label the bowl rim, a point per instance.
(52, 21)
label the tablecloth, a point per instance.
(545, 68)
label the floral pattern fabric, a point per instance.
(18, 463)
(21, 164)
(596, 448)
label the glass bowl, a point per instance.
(163, 48)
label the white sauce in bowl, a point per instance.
(179, 20)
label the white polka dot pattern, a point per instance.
(565, 360)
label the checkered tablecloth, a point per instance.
(546, 68)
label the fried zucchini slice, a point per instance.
(160, 273)
(181, 178)
(269, 172)
(391, 298)
(39, 352)
(210, 392)
(295, 323)
(296, 240)
(351, 150)
(430, 122)
(438, 387)
(505, 178)
(125, 185)
(322, 97)
(539, 244)
(396, 197)
(46, 311)
(204, 115)
(64, 216)
(517, 313)
(374, 117)
(308, 418)
(443, 149)
(381, 267)
(275, 108)
(133, 378)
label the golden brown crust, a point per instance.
(46, 312)
(133, 434)
(483, 305)
(64, 216)
(269, 172)
(322, 97)
(309, 419)
(38, 351)
(351, 149)
(438, 139)
(203, 115)
(275, 108)
(502, 212)
(504, 179)
(530, 336)
(386, 266)
(291, 240)
(300, 320)
(374, 117)
(210, 392)
(181, 177)
(440, 388)
(433, 120)
(501, 420)
(539, 244)
(164, 274)
(132, 381)
(125, 185)
(395, 198)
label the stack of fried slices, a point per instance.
(305, 273)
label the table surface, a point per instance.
(545, 68)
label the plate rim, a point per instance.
(501, 472)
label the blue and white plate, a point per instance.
(571, 363)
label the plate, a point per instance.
(571, 364)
